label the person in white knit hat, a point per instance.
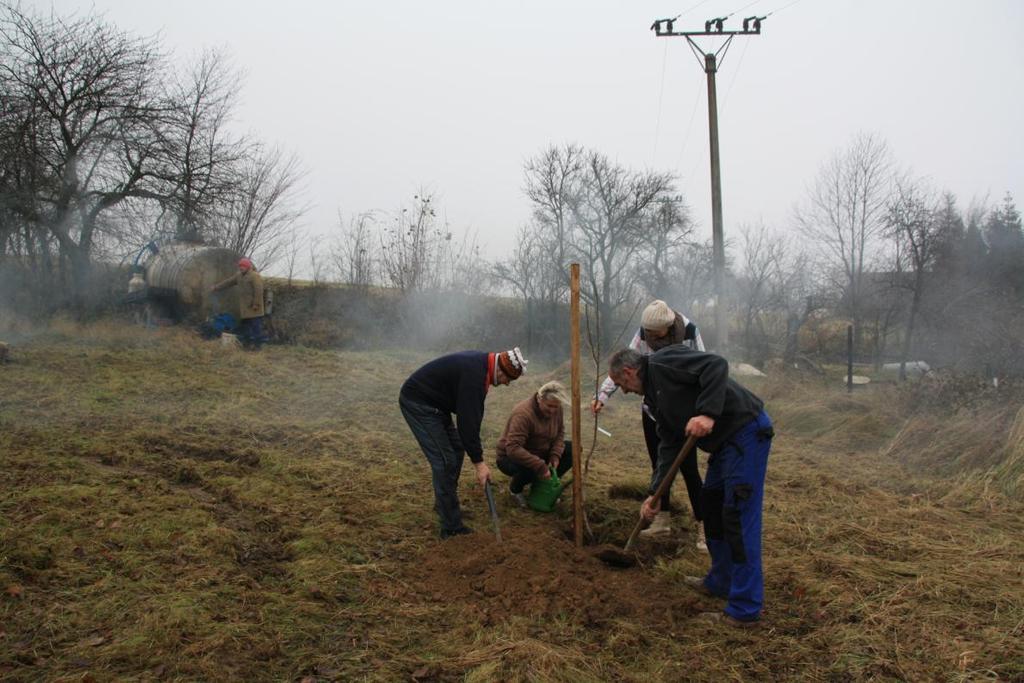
(660, 326)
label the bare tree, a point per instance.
(458, 264)
(609, 217)
(290, 253)
(622, 226)
(261, 213)
(796, 287)
(318, 259)
(762, 255)
(355, 253)
(778, 289)
(668, 230)
(690, 280)
(88, 101)
(553, 184)
(523, 271)
(408, 243)
(845, 213)
(199, 158)
(912, 220)
(24, 179)
(105, 148)
(421, 252)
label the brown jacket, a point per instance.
(250, 292)
(530, 438)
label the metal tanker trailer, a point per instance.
(177, 277)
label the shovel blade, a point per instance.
(616, 557)
(494, 510)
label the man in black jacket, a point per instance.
(454, 384)
(691, 393)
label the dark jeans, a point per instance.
(250, 332)
(521, 475)
(734, 498)
(691, 475)
(438, 438)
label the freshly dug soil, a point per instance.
(536, 571)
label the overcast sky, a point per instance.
(380, 98)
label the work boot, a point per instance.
(723, 618)
(660, 526)
(701, 541)
(446, 534)
(518, 498)
(697, 584)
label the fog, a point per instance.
(379, 100)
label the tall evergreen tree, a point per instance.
(974, 255)
(949, 238)
(1005, 238)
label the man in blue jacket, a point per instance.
(454, 384)
(691, 393)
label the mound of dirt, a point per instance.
(536, 571)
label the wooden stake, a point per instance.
(577, 442)
(849, 359)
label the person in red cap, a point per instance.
(457, 385)
(250, 296)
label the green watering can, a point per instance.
(545, 492)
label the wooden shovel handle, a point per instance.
(665, 485)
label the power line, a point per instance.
(689, 126)
(692, 8)
(774, 11)
(742, 8)
(735, 74)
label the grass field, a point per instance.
(171, 509)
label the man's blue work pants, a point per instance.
(733, 495)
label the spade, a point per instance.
(626, 557)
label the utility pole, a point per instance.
(664, 28)
(717, 231)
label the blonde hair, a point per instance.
(657, 316)
(552, 391)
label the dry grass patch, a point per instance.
(174, 510)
